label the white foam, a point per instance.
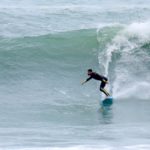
(138, 147)
(133, 36)
(69, 148)
(102, 147)
(122, 42)
(139, 90)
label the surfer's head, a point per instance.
(89, 72)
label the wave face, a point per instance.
(54, 61)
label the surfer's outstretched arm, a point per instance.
(86, 80)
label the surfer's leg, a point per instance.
(103, 90)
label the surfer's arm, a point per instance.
(86, 80)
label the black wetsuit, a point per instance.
(96, 76)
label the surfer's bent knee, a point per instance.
(101, 89)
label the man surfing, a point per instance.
(96, 76)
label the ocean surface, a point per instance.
(46, 47)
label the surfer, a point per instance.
(96, 76)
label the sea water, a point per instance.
(46, 48)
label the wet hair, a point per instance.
(89, 70)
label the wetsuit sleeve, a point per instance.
(88, 79)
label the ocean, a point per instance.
(46, 48)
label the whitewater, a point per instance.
(46, 48)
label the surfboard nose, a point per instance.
(107, 101)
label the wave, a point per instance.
(119, 52)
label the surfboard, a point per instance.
(108, 101)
